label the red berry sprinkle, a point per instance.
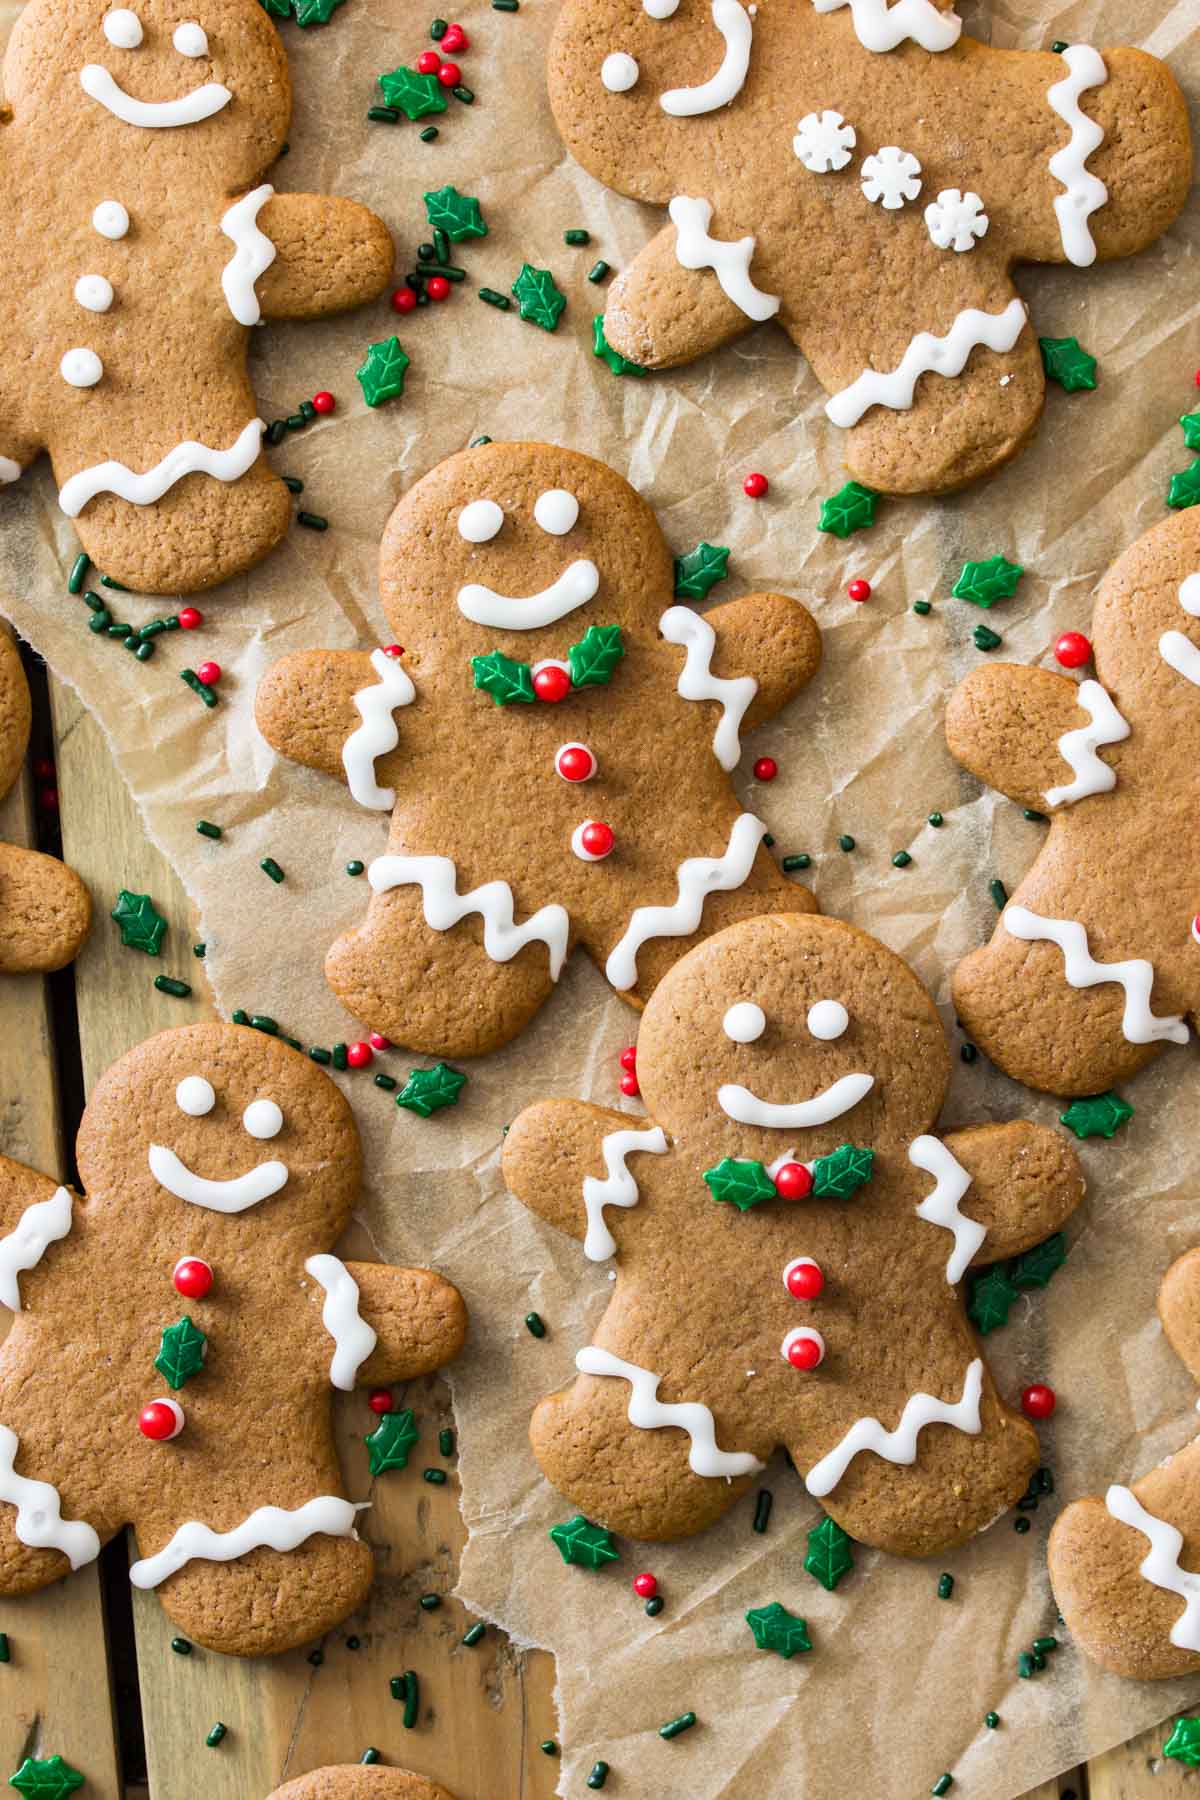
(597, 838)
(645, 1586)
(793, 1182)
(1038, 1401)
(551, 683)
(450, 75)
(438, 288)
(377, 1041)
(575, 762)
(161, 1420)
(805, 1350)
(429, 62)
(209, 673)
(48, 799)
(454, 38)
(324, 402)
(380, 1400)
(755, 486)
(193, 1277)
(191, 616)
(766, 769)
(1072, 650)
(628, 1058)
(629, 1084)
(43, 768)
(804, 1279)
(360, 1055)
(859, 590)
(404, 299)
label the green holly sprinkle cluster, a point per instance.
(993, 1292)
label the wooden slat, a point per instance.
(54, 1694)
(1137, 1769)
(484, 1710)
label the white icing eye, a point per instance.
(744, 1022)
(123, 28)
(556, 511)
(81, 368)
(110, 219)
(661, 9)
(827, 1020)
(94, 293)
(195, 1097)
(480, 521)
(619, 72)
(263, 1119)
(189, 39)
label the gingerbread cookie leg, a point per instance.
(267, 1600)
(661, 313)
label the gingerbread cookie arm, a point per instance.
(568, 1161)
(1021, 732)
(330, 254)
(660, 314)
(45, 912)
(1025, 1181)
(771, 638)
(419, 1321)
(309, 707)
(1179, 1309)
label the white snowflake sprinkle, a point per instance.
(956, 221)
(824, 143)
(891, 176)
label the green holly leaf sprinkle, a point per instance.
(829, 1555)
(1184, 490)
(315, 12)
(842, 1172)
(182, 1352)
(1066, 363)
(1191, 430)
(700, 570)
(851, 509)
(992, 1295)
(587, 1546)
(1036, 1266)
(428, 1090)
(278, 9)
(620, 365)
(775, 1628)
(595, 656)
(502, 678)
(1184, 1742)
(141, 926)
(389, 1444)
(414, 95)
(1099, 1116)
(46, 1777)
(458, 215)
(983, 583)
(743, 1183)
(537, 297)
(381, 377)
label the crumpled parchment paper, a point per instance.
(898, 1682)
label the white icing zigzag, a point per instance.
(1078, 748)
(1085, 192)
(941, 1207)
(730, 261)
(618, 1188)
(39, 1226)
(253, 254)
(648, 1413)
(1138, 1024)
(1161, 1566)
(40, 1524)
(270, 1526)
(680, 625)
(698, 876)
(927, 355)
(377, 734)
(188, 458)
(1176, 650)
(881, 27)
(737, 29)
(899, 1446)
(444, 906)
(353, 1338)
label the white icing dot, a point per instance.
(827, 1019)
(263, 1119)
(619, 72)
(195, 1097)
(556, 511)
(661, 9)
(123, 28)
(480, 521)
(744, 1022)
(81, 368)
(94, 293)
(189, 39)
(110, 219)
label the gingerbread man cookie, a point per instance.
(791, 1242)
(45, 910)
(354, 1781)
(1122, 1566)
(868, 177)
(1095, 961)
(178, 1333)
(566, 734)
(144, 242)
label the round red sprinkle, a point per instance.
(629, 1084)
(859, 590)
(804, 1279)
(805, 1351)
(551, 683)
(1072, 650)
(1196, 928)
(393, 649)
(793, 1182)
(455, 38)
(43, 768)
(324, 402)
(193, 1277)
(766, 769)
(404, 300)
(597, 838)
(161, 1420)
(359, 1055)
(1038, 1401)
(377, 1041)
(380, 1400)
(190, 617)
(209, 673)
(645, 1586)
(48, 799)
(437, 287)
(755, 486)
(450, 75)
(628, 1058)
(575, 762)
(429, 62)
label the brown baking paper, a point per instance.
(898, 1682)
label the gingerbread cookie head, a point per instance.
(800, 145)
(353, 1781)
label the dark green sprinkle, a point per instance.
(355, 867)
(1044, 1480)
(599, 1774)
(383, 115)
(154, 629)
(316, 1658)
(430, 1602)
(110, 581)
(240, 1017)
(673, 1727)
(143, 652)
(296, 421)
(535, 1325)
(654, 1606)
(465, 94)
(506, 5)
(292, 483)
(999, 894)
(181, 1646)
(216, 1734)
(1035, 818)
(276, 431)
(207, 694)
(1045, 1644)
(79, 567)
(450, 270)
(317, 1055)
(472, 1637)
(435, 1477)
(548, 1747)
(353, 1643)
(120, 631)
(369, 1755)
(385, 1082)
(1039, 1661)
(172, 622)
(412, 1698)
(270, 867)
(441, 245)
(397, 1685)
(292, 1043)
(936, 820)
(942, 1785)
(312, 521)
(991, 1720)
(901, 859)
(100, 621)
(575, 237)
(491, 298)
(846, 842)
(339, 1057)
(425, 252)
(428, 134)
(167, 984)
(599, 270)
(792, 863)
(1021, 1525)
(1058, 46)
(199, 951)
(437, 30)
(968, 1053)
(945, 1586)
(762, 1509)
(477, 441)
(207, 829)
(769, 842)
(264, 1022)
(133, 643)
(308, 409)
(986, 638)
(922, 608)
(445, 1441)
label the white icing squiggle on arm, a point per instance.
(941, 1207)
(648, 1413)
(444, 906)
(618, 1188)
(270, 1527)
(735, 26)
(695, 249)
(680, 625)
(1078, 748)
(1138, 1024)
(39, 1226)
(353, 1338)
(188, 458)
(698, 876)
(377, 734)
(1085, 191)
(881, 27)
(1176, 650)
(189, 109)
(928, 355)
(39, 1523)
(253, 254)
(899, 1446)
(1161, 1567)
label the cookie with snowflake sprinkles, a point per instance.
(790, 1235)
(137, 169)
(358, 1781)
(188, 1313)
(45, 910)
(552, 736)
(867, 176)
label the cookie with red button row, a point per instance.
(866, 175)
(790, 1239)
(552, 736)
(357, 1781)
(179, 1331)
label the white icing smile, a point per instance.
(232, 1196)
(188, 109)
(574, 588)
(747, 1109)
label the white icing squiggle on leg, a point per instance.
(253, 254)
(40, 1524)
(881, 27)
(928, 355)
(1138, 1024)
(1078, 748)
(736, 27)
(444, 906)
(188, 458)
(270, 1527)
(618, 1188)
(730, 261)
(680, 625)
(899, 1446)
(1161, 1567)
(697, 877)
(39, 1226)
(1085, 191)
(649, 1413)
(353, 1338)
(377, 734)
(941, 1207)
